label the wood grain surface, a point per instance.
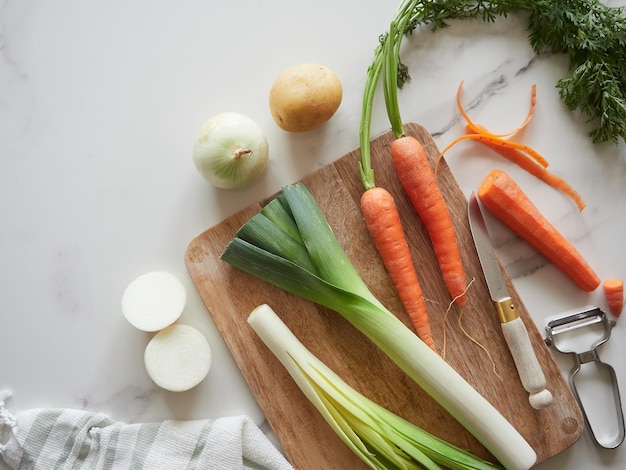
(230, 295)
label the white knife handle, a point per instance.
(528, 367)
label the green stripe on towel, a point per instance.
(145, 438)
(38, 435)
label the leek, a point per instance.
(379, 437)
(329, 279)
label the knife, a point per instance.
(513, 327)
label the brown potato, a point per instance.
(304, 97)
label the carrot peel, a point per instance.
(513, 151)
(522, 155)
(496, 141)
(501, 195)
(482, 130)
(542, 174)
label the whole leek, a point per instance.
(312, 264)
(379, 437)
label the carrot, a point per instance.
(419, 183)
(614, 294)
(378, 206)
(387, 65)
(383, 222)
(501, 195)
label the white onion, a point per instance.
(230, 150)
(153, 301)
(178, 358)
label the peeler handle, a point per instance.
(592, 357)
(528, 368)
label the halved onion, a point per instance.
(178, 358)
(153, 301)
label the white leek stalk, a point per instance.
(379, 437)
(290, 244)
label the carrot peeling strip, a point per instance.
(538, 171)
(501, 195)
(496, 141)
(477, 128)
(614, 294)
(501, 146)
(383, 222)
(522, 155)
(419, 183)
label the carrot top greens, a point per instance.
(591, 33)
(594, 37)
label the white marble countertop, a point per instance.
(99, 105)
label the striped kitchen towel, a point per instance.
(50, 438)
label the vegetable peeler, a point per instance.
(565, 334)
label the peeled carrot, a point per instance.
(383, 221)
(501, 195)
(614, 293)
(419, 183)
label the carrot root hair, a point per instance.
(467, 335)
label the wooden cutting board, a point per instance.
(230, 295)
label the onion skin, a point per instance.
(230, 150)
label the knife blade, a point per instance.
(513, 328)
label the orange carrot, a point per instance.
(383, 221)
(614, 294)
(508, 203)
(418, 180)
